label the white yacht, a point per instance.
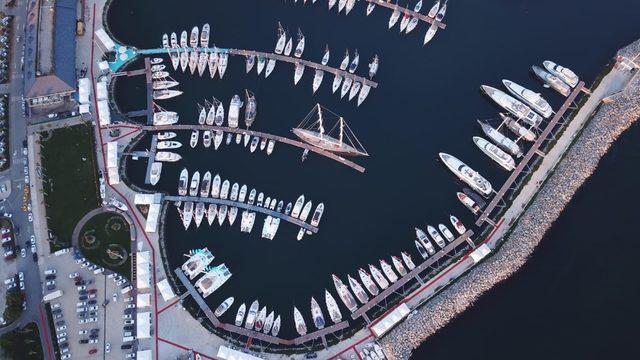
(504, 142)
(531, 98)
(495, 153)
(466, 174)
(520, 110)
(565, 74)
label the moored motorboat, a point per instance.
(206, 138)
(215, 187)
(212, 211)
(166, 135)
(300, 46)
(251, 315)
(271, 64)
(531, 98)
(466, 174)
(344, 294)
(317, 80)
(195, 135)
(424, 240)
(223, 307)
(354, 90)
(223, 60)
(282, 39)
(250, 111)
(373, 66)
(167, 156)
(364, 92)
(397, 264)
(183, 182)
(276, 326)
(297, 74)
(332, 307)
(325, 56)
(495, 153)
(165, 118)
(168, 145)
(520, 130)
(368, 282)
(378, 277)
(316, 314)
(199, 214)
(195, 183)
(234, 111)
(205, 185)
(421, 249)
(504, 142)
(262, 315)
(435, 235)
(156, 170)
(408, 261)
(441, 12)
(388, 271)
(288, 47)
(213, 63)
(268, 323)
(431, 32)
(468, 202)
(565, 74)
(187, 214)
(193, 39)
(517, 108)
(446, 232)
(358, 290)
(395, 15)
(240, 315)
(434, 9)
(301, 327)
(457, 224)
(166, 94)
(552, 81)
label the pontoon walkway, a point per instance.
(281, 139)
(245, 206)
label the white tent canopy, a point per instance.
(104, 115)
(112, 163)
(143, 325)
(84, 90)
(165, 290)
(480, 252)
(101, 90)
(143, 300)
(84, 108)
(105, 40)
(390, 320)
(144, 355)
(230, 354)
(143, 271)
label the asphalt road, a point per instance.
(14, 203)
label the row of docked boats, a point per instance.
(216, 188)
(164, 156)
(162, 85)
(440, 236)
(216, 138)
(411, 19)
(524, 113)
(255, 318)
(193, 52)
(212, 113)
(213, 277)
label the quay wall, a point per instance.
(611, 119)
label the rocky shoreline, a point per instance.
(581, 160)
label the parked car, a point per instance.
(73, 275)
(82, 332)
(107, 348)
(50, 271)
(93, 351)
(61, 328)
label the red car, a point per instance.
(93, 351)
(92, 291)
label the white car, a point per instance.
(73, 275)
(93, 341)
(82, 287)
(129, 322)
(93, 320)
(30, 216)
(129, 299)
(82, 303)
(62, 334)
(52, 282)
(65, 357)
(127, 316)
(115, 297)
(82, 321)
(55, 306)
(83, 332)
(107, 348)
(120, 282)
(111, 276)
(21, 276)
(23, 252)
(92, 296)
(33, 249)
(131, 306)
(93, 308)
(32, 238)
(61, 328)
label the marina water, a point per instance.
(427, 102)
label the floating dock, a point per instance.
(267, 55)
(277, 138)
(413, 274)
(250, 333)
(535, 149)
(245, 206)
(410, 12)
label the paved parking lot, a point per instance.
(109, 312)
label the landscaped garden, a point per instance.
(105, 240)
(22, 344)
(70, 180)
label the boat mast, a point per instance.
(321, 128)
(341, 130)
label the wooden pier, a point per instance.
(151, 158)
(277, 138)
(310, 64)
(290, 59)
(528, 156)
(410, 12)
(250, 333)
(245, 206)
(413, 274)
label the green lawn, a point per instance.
(70, 180)
(105, 240)
(13, 308)
(22, 344)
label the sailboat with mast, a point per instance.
(311, 130)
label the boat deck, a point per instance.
(277, 138)
(268, 55)
(523, 164)
(151, 158)
(413, 274)
(245, 206)
(250, 333)
(410, 12)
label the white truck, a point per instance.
(52, 295)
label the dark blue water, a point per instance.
(576, 298)
(427, 102)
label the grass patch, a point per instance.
(52, 331)
(23, 343)
(13, 308)
(105, 240)
(69, 180)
